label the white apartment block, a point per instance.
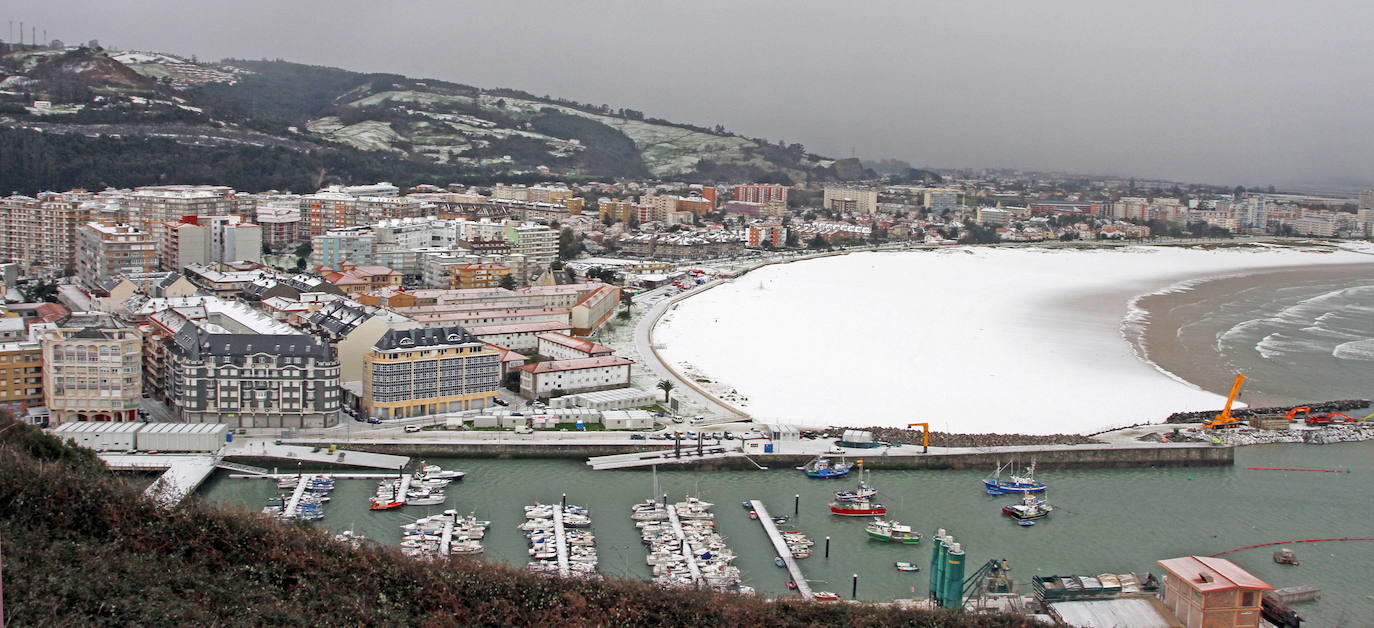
(858, 200)
(209, 240)
(522, 337)
(574, 376)
(940, 199)
(556, 346)
(992, 216)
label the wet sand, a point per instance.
(1160, 342)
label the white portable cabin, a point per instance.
(627, 419)
(783, 432)
(182, 437)
(616, 399)
(102, 435)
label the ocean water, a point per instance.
(1295, 339)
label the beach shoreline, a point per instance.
(1158, 317)
(1039, 320)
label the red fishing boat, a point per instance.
(862, 508)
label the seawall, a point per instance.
(1049, 457)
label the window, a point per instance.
(1247, 598)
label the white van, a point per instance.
(411, 429)
(524, 429)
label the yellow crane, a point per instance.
(925, 435)
(1225, 419)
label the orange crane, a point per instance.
(925, 435)
(1225, 419)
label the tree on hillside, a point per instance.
(507, 282)
(665, 386)
(819, 242)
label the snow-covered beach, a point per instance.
(1029, 340)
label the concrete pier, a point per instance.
(446, 540)
(692, 566)
(780, 546)
(294, 504)
(560, 542)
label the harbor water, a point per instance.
(1105, 521)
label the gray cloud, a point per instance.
(1254, 92)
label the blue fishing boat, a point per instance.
(822, 468)
(1016, 484)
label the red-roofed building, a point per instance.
(556, 346)
(568, 377)
(359, 279)
(1206, 592)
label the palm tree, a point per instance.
(667, 387)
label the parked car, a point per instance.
(678, 419)
(637, 437)
(500, 402)
(374, 420)
(729, 436)
(357, 418)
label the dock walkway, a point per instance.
(294, 504)
(446, 541)
(651, 458)
(560, 541)
(784, 552)
(697, 578)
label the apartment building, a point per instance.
(548, 194)
(91, 368)
(566, 377)
(940, 199)
(416, 372)
(771, 235)
(518, 336)
(992, 216)
(761, 193)
(612, 212)
(21, 367)
(281, 224)
(106, 250)
(152, 208)
(252, 380)
(559, 346)
(210, 240)
(538, 243)
(465, 276)
(327, 210)
(847, 199)
(362, 279)
(40, 233)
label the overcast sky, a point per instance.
(1251, 92)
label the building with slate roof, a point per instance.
(252, 380)
(431, 370)
(91, 366)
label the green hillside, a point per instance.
(81, 547)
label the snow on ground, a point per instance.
(969, 339)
